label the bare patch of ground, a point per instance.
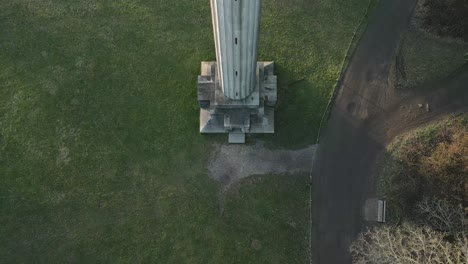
(63, 156)
(230, 163)
(442, 18)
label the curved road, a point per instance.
(367, 113)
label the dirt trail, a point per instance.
(447, 96)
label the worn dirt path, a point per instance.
(230, 163)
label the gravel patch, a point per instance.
(230, 163)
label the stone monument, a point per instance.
(236, 93)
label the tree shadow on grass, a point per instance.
(297, 113)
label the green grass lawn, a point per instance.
(424, 58)
(100, 156)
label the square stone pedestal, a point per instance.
(253, 114)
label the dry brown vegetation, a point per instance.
(429, 162)
(424, 179)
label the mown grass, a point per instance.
(100, 156)
(424, 58)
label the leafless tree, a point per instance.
(463, 244)
(407, 244)
(440, 214)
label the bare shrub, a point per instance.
(441, 215)
(407, 244)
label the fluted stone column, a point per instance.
(237, 93)
(236, 25)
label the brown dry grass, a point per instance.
(439, 158)
(432, 161)
(447, 165)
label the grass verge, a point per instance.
(424, 58)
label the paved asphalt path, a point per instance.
(342, 167)
(366, 115)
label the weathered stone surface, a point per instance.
(255, 114)
(236, 138)
(236, 93)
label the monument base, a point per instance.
(253, 114)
